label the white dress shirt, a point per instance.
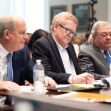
(3, 63)
(3, 68)
(67, 62)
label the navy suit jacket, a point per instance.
(46, 49)
(22, 68)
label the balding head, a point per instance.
(8, 22)
(12, 33)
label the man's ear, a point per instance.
(55, 26)
(6, 34)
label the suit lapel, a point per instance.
(72, 55)
(100, 56)
(56, 52)
(16, 69)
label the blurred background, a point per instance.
(38, 14)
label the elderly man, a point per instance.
(58, 54)
(95, 58)
(12, 41)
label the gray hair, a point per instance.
(94, 29)
(62, 17)
(6, 22)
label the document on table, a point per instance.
(61, 88)
(85, 97)
(27, 89)
(77, 87)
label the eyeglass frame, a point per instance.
(67, 30)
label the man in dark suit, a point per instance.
(92, 58)
(12, 40)
(58, 54)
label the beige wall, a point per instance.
(102, 10)
(109, 11)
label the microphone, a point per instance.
(107, 81)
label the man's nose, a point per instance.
(26, 36)
(108, 36)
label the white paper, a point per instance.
(62, 85)
(27, 89)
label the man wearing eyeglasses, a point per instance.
(96, 58)
(58, 54)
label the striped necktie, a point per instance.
(9, 67)
(107, 56)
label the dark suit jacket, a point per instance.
(92, 60)
(22, 69)
(46, 50)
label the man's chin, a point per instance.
(108, 47)
(20, 48)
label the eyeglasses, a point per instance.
(103, 34)
(68, 31)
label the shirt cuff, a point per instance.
(70, 79)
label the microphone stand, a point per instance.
(92, 19)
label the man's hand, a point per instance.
(49, 82)
(9, 86)
(84, 78)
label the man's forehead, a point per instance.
(103, 27)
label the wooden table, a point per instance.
(48, 103)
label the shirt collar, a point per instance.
(59, 46)
(104, 51)
(3, 51)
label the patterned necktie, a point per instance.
(108, 58)
(9, 67)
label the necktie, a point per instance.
(9, 67)
(108, 58)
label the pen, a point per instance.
(87, 79)
(88, 69)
